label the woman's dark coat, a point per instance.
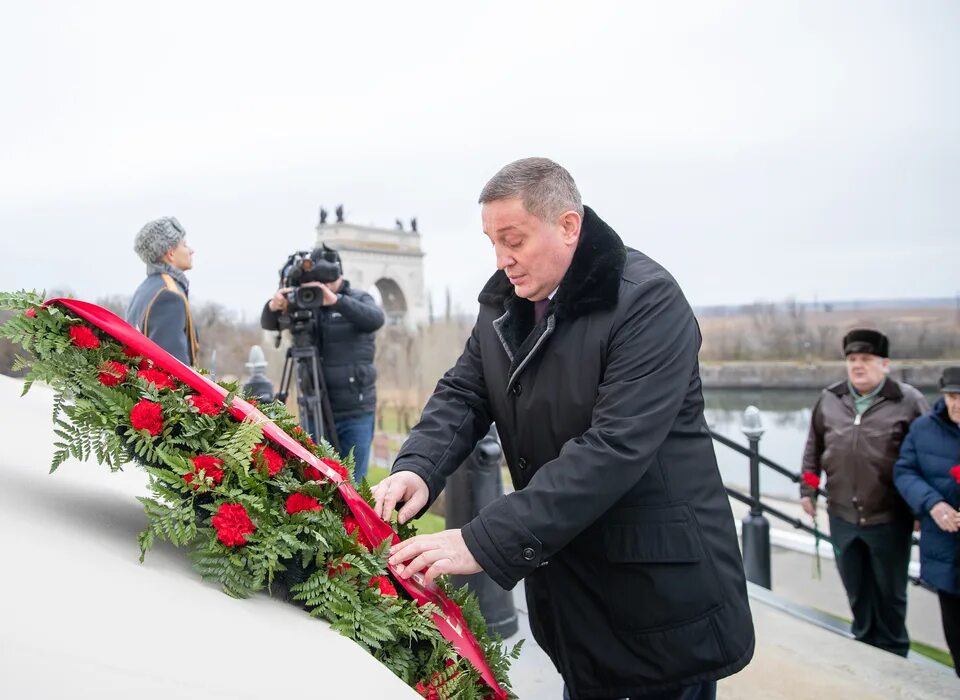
(922, 475)
(619, 524)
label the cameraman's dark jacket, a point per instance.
(345, 341)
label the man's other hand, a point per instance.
(329, 296)
(442, 553)
(809, 507)
(403, 487)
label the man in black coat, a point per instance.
(346, 323)
(585, 355)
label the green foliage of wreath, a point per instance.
(308, 557)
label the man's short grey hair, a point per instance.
(545, 188)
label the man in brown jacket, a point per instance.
(855, 434)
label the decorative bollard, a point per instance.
(257, 384)
(475, 484)
(756, 528)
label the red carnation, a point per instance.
(336, 466)
(30, 313)
(161, 380)
(209, 465)
(147, 415)
(112, 373)
(145, 364)
(297, 502)
(302, 435)
(269, 456)
(811, 480)
(955, 472)
(335, 570)
(130, 352)
(383, 583)
(429, 690)
(351, 525)
(312, 474)
(83, 337)
(206, 406)
(232, 524)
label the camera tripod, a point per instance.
(312, 400)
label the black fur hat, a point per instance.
(866, 340)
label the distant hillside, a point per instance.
(831, 306)
(923, 329)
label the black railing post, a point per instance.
(468, 490)
(756, 528)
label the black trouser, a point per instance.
(950, 614)
(873, 563)
(701, 691)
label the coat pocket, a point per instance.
(657, 570)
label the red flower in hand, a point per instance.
(266, 455)
(112, 373)
(83, 337)
(811, 480)
(955, 472)
(161, 380)
(30, 313)
(206, 406)
(384, 584)
(209, 465)
(232, 524)
(147, 415)
(297, 502)
(351, 525)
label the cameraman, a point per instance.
(346, 322)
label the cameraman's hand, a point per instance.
(278, 302)
(401, 488)
(329, 296)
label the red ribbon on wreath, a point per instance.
(449, 621)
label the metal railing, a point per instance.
(756, 528)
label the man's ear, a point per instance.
(571, 222)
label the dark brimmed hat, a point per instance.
(950, 381)
(866, 340)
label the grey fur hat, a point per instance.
(157, 237)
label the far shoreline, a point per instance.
(775, 375)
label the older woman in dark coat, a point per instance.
(927, 475)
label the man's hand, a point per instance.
(402, 487)
(278, 302)
(946, 518)
(809, 506)
(329, 296)
(442, 553)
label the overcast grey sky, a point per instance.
(758, 150)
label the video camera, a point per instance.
(320, 265)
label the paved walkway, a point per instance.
(793, 659)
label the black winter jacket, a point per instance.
(344, 338)
(619, 524)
